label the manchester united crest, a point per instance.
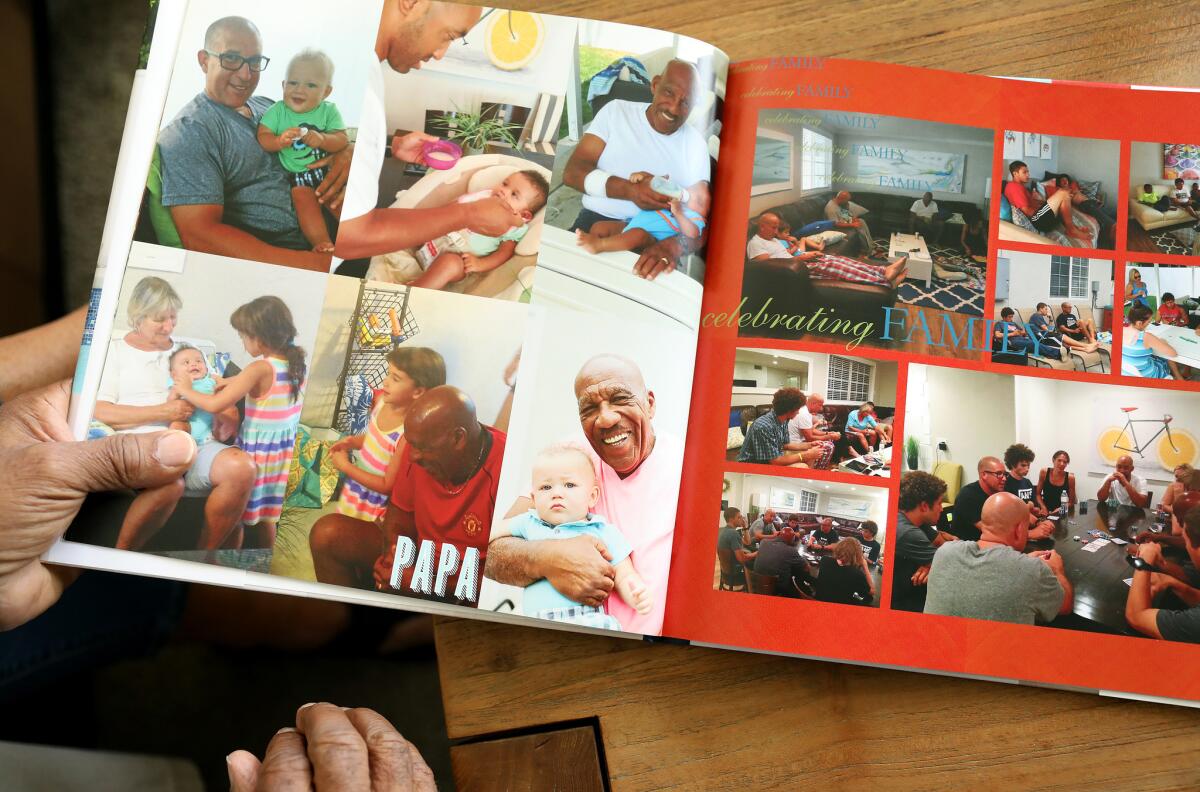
(472, 524)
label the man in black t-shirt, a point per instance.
(1018, 458)
(1075, 332)
(968, 506)
(824, 535)
(869, 531)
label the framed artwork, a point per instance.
(891, 165)
(1047, 147)
(1033, 145)
(774, 162)
(1012, 145)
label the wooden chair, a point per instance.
(732, 578)
(761, 584)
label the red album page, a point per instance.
(930, 350)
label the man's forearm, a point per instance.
(225, 240)
(385, 230)
(1068, 603)
(513, 561)
(40, 356)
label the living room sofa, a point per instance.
(1150, 218)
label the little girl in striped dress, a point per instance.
(272, 386)
(371, 475)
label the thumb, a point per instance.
(243, 768)
(601, 547)
(120, 461)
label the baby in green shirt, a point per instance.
(302, 129)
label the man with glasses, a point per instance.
(411, 32)
(225, 193)
(968, 506)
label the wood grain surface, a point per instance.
(689, 717)
(564, 759)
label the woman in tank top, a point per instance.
(1053, 481)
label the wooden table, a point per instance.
(529, 706)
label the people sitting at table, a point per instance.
(870, 530)
(1169, 625)
(992, 577)
(1055, 480)
(923, 217)
(734, 538)
(808, 252)
(1044, 214)
(1171, 312)
(1072, 328)
(778, 557)
(968, 506)
(767, 438)
(1126, 486)
(843, 576)
(1008, 336)
(823, 536)
(864, 432)
(810, 426)
(1018, 458)
(1181, 497)
(1144, 352)
(764, 526)
(917, 537)
(1182, 474)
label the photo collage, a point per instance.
(375, 278)
(938, 401)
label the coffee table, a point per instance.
(920, 263)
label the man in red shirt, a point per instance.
(1043, 214)
(1170, 312)
(433, 539)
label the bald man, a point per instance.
(1128, 487)
(225, 193)
(652, 137)
(840, 210)
(445, 493)
(638, 473)
(993, 578)
(411, 32)
(968, 505)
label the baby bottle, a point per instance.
(669, 188)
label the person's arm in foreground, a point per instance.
(333, 747)
(201, 228)
(385, 230)
(1146, 585)
(47, 475)
(579, 568)
(41, 355)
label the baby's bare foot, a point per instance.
(589, 242)
(323, 247)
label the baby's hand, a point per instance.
(643, 600)
(314, 139)
(290, 135)
(183, 385)
(676, 207)
(471, 263)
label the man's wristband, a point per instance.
(596, 183)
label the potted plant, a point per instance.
(473, 132)
(912, 452)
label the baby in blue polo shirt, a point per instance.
(687, 217)
(564, 493)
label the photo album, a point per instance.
(504, 315)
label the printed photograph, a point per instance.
(401, 441)
(257, 132)
(450, 181)
(1160, 335)
(869, 229)
(1071, 505)
(1053, 312)
(598, 467)
(1164, 198)
(784, 537)
(1059, 190)
(220, 349)
(812, 410)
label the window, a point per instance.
(1068, 278)
(849, 380)
(808, 501)
(816, 160)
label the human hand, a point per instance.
(382, 569)
(314, 139)
(676, 207)
(333, 748)
(225, 424)
(1042, 530)
(290, 135)
(644, 196)
(580, 569)
(809, 255)
(921, 576)
(332, 189)
(658, 258)
(490, 216)
(341, 460)
(471, 263)
(1151, 553)
(1052, 559)
(942, 537)
(411, 147)
(510, 371)
(176, 410)
(638, 177)
(47, 474)
(345, 444)
(643, 600)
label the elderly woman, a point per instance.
(133, 398)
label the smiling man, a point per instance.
(638, 472)
(630, 137)
(225, 193)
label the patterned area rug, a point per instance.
(1177, 241)
(965, 296)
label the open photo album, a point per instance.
(444, 297)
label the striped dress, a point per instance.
(376, 453)
(268, 435)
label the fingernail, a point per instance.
(174, 449)
(285, 729)
(309, 704)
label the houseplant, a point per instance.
(912, 452)
(473, 131)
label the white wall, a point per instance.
(1179, 280)
(971, 411)
(287, 27)
(744, 486)
(212, 287)
(1029, 281)
(770, 379)
(477, 337)
(1093, 160)
(1145, 164)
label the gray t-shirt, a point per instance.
(996, 583)
(758, 525)
(210, 155)
(1183, 625)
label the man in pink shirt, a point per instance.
(638, 473)
(1043, 214)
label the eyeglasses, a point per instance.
(996, 473)
(232, 61)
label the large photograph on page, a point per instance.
(257, 132)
